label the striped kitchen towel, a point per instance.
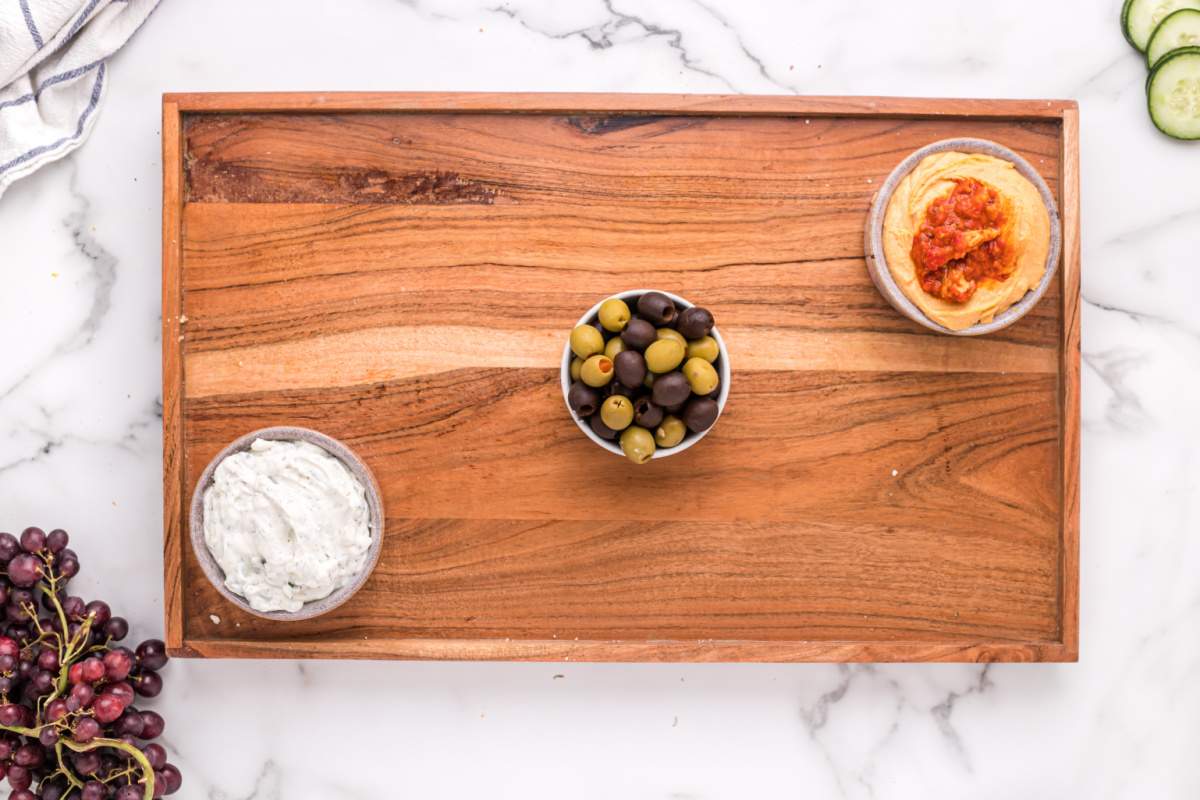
(52, 71)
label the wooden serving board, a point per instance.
(400, 271)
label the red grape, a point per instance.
(129, 793)
(152, 724)
(86, 729)
(152, 654)
(53, 791)
(131, 723)
(74, 607)
(22, 794)
(19, 777)
(24, 570)
(56, 710)
(172, 778)
(33, 540)
(11, 714)
(87, 763)
(93, 669)
(100, 613)
(116, 628)
(93, 790)
(68, 566)
(80, 697)
(155, 754)
(9, 647)
(117, 665)
(48, 659)
(148, 684)
(9, 546)
(28, 755)
(56, 540)
(120, 690)
(43, 681)
(48, 736)
(107, 708)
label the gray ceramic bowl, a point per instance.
(336, 449)
(881, 275)
(723, 372)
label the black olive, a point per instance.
(670, 389)
(700, 414)
(630, 368)
(694, 322)
(638, 334)
(657, 308)
(583, 399)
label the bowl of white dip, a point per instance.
(287, 523)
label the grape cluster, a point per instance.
(68, 726)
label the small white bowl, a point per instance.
(212, 570)
(722, 366)
(881, 273)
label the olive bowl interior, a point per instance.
(723, 373)
(881, 274)
(212, 570)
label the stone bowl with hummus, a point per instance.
(963, 237)
(287, 523)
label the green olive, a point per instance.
(704, 347)
(614, 314)
(597, 371)
(670, 431)
(664, 355)
(576, 365)
(648, 381)
(586, 341)
(701, 375)
(671, 333)
(615, 345)
(637, 444)
(617, 412)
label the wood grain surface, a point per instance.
(400, 271)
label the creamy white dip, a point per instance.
(287, 522)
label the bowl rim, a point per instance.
(289, 433)
(881, 273)
(723, 372)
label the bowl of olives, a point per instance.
(645, 374)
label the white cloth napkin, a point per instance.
(52, 71)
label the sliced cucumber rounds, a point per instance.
(1180, 29)
(1139, 18)
(1168, 32)
(1173, 93)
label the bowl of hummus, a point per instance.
(963, 237)
(286, 523)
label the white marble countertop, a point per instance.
(80, 433)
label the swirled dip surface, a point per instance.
(287, 522)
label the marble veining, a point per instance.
(81, 410)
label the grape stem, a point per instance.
(62, 767)
(67, 650)
(137, 755)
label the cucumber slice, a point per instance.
(1173, 93)
(1139, 18)
(1180, 29)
